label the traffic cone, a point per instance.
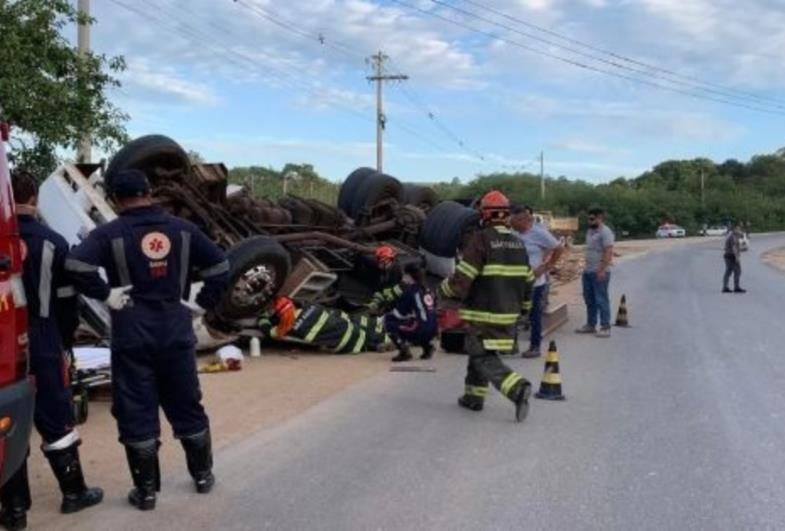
(621, 317)
(550, 387)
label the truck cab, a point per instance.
(16, 389)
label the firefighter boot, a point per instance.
(15, 498)
(520, 397)
(199, 457)
(427, 351)
(68, 471)
(143, 462)
(404, 354)
(471, 403)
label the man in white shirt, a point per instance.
(544, 251)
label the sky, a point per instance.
(492, 83)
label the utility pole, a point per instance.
(83, 153)
(380, 77)
(703, 189)
(542, 175)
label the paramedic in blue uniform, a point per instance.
(413, 320)
(51, 305)
(150, 258)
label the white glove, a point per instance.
(118, 298)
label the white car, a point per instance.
(715, 230)
(744, 242)
(671, 231)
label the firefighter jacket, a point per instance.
(494, 280)
(389, 289)
(328, 329)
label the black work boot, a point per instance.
(199, 457)
(404, 354)
(427, 351)
(143, 462)
(15, 498)
(68, 471)
(521, 399)
(471, 403)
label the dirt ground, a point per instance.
(775, 258)
(268, 390)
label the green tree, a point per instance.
(48, 92)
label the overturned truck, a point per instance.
(304, 248)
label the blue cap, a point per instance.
(130, 183)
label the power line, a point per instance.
(585, 66)
(610, 62)
(621, 57)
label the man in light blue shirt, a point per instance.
(544, 251)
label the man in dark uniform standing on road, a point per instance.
(51, 310)
(732, 256)
(149, 257)
(494, 281)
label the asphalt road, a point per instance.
(676, 423)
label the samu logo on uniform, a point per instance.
(156, 246)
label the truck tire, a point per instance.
(445, 226)
(155, 155)
(258, 268)
(349, 189)
(423, 197)
(375, 188)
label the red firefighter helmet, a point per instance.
(385, 255)
(494, 206)
(284, 311)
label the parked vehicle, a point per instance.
(744, 241)
(671, 231)
(16, 389)
(714, 230)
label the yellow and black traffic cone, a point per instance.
(621, 317)
(550, 387)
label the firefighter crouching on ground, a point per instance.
(312, 324)
(494, 281)
(390, 288)
(51, 307)
(149, 257)
(413, 320)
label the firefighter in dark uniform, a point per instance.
(495, 282)
(50, 299)
(389, 284)
(413, 320)
(150, 258)
(312, 324)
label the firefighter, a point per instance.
(494, 281)
(51, 306)
(413, 320)
(390, 289)
(149, 257)
(312, 324)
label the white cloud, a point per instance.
(141, 76)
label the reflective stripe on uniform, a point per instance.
(446, 289)
(503, 230)
(77, 266)
(391, 294)
(527, 305)
(488, 317)
(476, 390)
(499, 270)
(498, 344)
(185, 260)
(45, 280)
(66, 291)
(358, 346)
(346, 336)
(509, 382)
(379, 326)
(120, 263)
(467, 269)
(364, 321)
(218, 269)
(317, 327)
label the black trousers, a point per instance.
(732, 267)
(484, 367)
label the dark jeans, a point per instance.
(535, 316)
(595, 295)
(732, 266)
